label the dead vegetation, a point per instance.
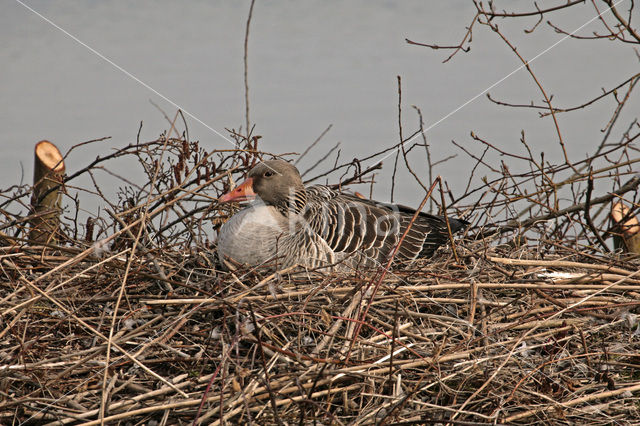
(132, 318)
(129, 318)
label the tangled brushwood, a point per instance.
(129, 316)
(125, 316)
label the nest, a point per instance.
(127, 318)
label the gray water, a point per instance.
(311, 64)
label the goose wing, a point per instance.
(349, 224)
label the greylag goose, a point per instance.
(317, 226)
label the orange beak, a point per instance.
(242, 192)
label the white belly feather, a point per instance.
(259, 233)
(251, 235)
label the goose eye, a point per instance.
(268, 173)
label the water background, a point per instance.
(311, 64)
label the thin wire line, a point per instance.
(124, 71)
(501, 80)
(133, 77)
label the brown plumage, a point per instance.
(318, 226)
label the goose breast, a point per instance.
(251, 235)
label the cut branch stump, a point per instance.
(626, 227)
(48, 174)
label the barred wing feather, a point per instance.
(349, 224)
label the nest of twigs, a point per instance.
(129, 319)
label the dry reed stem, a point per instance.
(526, 319)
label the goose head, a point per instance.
(275, 182)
